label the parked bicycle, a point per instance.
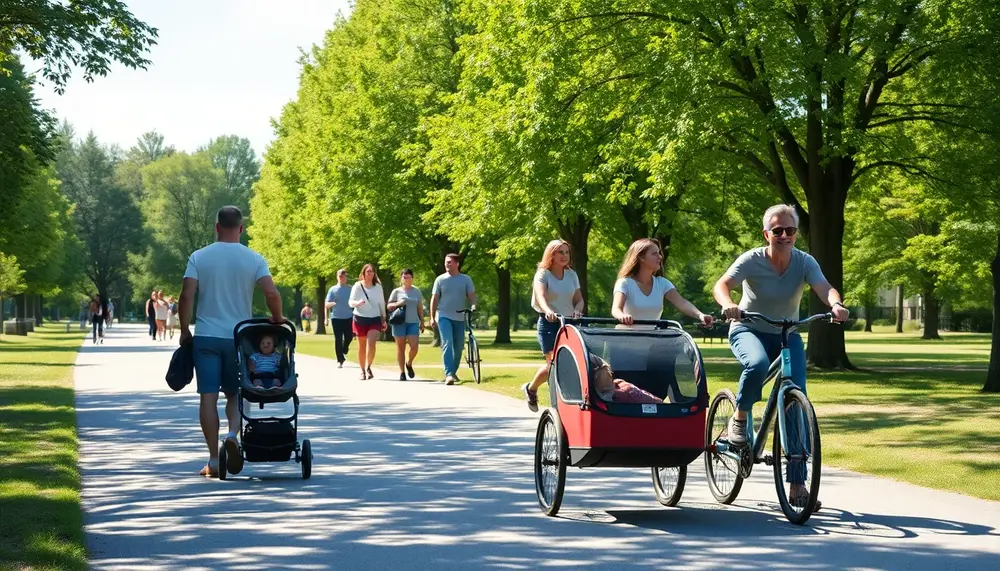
(796, 454)
(472, 347)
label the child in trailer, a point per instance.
(611, 389)
(264, 365)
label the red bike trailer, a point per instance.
(583, 430)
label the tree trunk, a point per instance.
(38, 310)
(826, 348)
(576, 231)
(318, 306)
(869, 310)
(932, 313)
(516, 305)
(899, 308)
(993, 374)
(297, 309)
(503, 306)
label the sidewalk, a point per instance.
(418, 475)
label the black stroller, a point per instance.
(268, 438)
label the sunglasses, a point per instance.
(779, 231)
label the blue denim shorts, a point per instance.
(547, 332)
(405, 329)
(215, 365)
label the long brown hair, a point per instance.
(550, 252)
(361, 276)
(638, 249)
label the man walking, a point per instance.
(341, 316)
(448, 298)
(223, 275)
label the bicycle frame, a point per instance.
(780, 372)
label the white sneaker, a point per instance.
(449, 380)
(737, 431)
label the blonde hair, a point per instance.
(550, 252)
(361, 277)
(638, 249)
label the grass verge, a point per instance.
(42, 522)
(927, 424)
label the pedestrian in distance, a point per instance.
(222, 276)
(341, 316)
(555, 291)
(306, 315)
(368, 302)
(451, 293)
(151, 314)
(161, 309)
(411, 300)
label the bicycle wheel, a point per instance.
(668, 484)
(473, 359)
(801, 463)
(723, 472)
(551, 457)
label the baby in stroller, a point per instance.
(611, 389)
(265, 365)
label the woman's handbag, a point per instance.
(398, 315)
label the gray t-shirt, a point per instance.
(765, 291)
(453, 293)
(340, 294)
(414, 297)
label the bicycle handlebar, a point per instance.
(584, 321)
(751, 315)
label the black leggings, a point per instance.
(98, 325)
(152, 326)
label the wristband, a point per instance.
(840, 304)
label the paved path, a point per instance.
(418, 475)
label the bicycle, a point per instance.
(472, 347)
(796, 437)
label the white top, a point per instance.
(558, 292)
(161, 311)
(376, 301)
(640, 305)
(227, 273)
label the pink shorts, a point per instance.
(362, 325)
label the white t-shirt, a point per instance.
(227, 273)
(640, 305)
(558, 292)
(376, 301)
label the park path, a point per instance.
(416, 475)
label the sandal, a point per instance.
(370, 375)
(363, 375)
(802, 500)
(209, 471)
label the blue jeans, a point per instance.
(452, 342)
(755, 351)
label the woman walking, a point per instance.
(171, 315)
(151, 314)
(369, 317)
(411, 300)
(641, 287)
(161, 311)
(555, 291)
(96, 311)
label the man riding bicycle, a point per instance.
(773, 279)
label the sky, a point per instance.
(220, 67)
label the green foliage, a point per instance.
(90, 34)
(11, 276)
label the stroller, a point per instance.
(583, 429)
(270, 438)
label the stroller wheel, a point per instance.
(223, 463)
(307, 459)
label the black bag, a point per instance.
(181, 369)
(398, 315)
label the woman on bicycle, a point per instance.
(408, 332)
(641, 287)
(369, 317)
(773, 279)
(555, 291)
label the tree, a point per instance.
(107, 219)
(235, 158)
(11, 276)
(812, 96)
(90, 34)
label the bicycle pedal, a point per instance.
(768, 460)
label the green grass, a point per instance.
(929, 426)
(42, 523)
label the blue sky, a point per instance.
(220, 67)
